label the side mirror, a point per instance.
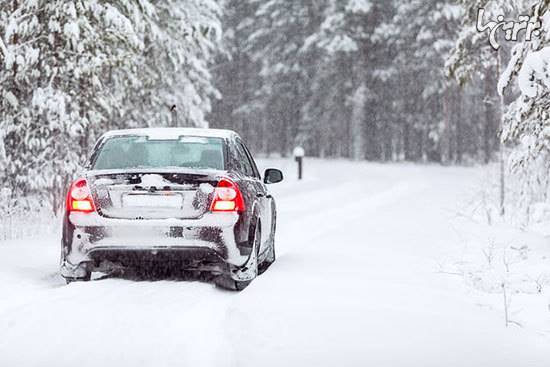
(273, 176)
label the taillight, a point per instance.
(227, 197)
(79, 198)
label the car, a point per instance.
(171, 197)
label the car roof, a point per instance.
(173, 133)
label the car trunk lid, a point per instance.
(152, 195)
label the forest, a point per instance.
(417, 232)
(384, 81)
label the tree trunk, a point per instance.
(502, 165)
(488, 123)
(446, 138)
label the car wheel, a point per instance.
(86, 278)
(270, 258)
(226, 282)
(250, 270)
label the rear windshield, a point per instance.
(140, 152)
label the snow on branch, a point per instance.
(535, 72)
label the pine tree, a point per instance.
(71, 70)
(276, 43)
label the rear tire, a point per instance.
(226, 281)
(270, 258)
(271, 255)
(87, 278)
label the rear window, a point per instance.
(140, 152)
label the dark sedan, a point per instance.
(190, 198)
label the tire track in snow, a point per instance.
(148, 322)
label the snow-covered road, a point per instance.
(355, 284)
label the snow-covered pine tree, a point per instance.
(180, 40)
(473, 61)
(51, 72)
(70, 70)
(237, 76)
(428, 108)
(341, 44)
(342, 77)
(276, 39)
(522, 121)
(526, 123)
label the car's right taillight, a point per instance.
(227, 197)
(79, 198)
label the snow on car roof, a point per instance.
(172, 133)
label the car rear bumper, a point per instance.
(207, 243)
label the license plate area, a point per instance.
(158, 201)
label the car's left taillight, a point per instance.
(79, 198)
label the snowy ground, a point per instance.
(376, 267)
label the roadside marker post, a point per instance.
(299, 154)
